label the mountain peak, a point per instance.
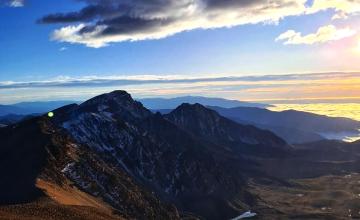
(194, 112)
(193, 108)
(172, 103)
(117, 95)
(194, 116)
(209, 125)
(195, 105)
(120, 93)
(118, 103)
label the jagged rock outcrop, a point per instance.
(155, 152)
(208, 125)
(36, 151)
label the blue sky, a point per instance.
(208, 49)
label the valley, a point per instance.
(326, 197)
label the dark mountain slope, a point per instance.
(22, 157)
(291, 135)
(111, 154)
(312, 160)
(36, 150)
(208, 125)
(303, 161)
(155, 152)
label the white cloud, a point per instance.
(342, 7)
(340, 16)
(63, 49)
(103, 22)
(16, 3)
(324, 34)
(151, 21)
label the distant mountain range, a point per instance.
(13, 113)
(26, 108)
(172, 103)
(293, 126)
(11, 118)
(110, 156)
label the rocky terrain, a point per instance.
(326, 197)
(44, 156)
(111, 158)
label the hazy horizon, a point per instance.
(272, 89)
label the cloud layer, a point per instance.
(102, 22)
(12, 3)
(323, 34)
(109, 81)
(271, 88)
(343, 8)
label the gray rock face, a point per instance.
(154, 151)
(210, 126)
(37, 149)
